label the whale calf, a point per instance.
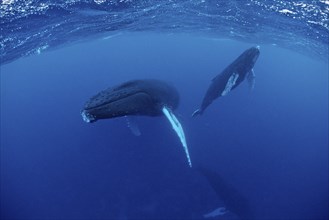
(231, 77)
(147, 97)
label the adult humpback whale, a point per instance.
(137, 97)
(231, 77)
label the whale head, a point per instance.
(136, 97)
(252, 54)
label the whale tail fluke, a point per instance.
(197, 112)
(217, 212)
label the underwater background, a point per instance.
(271, 144)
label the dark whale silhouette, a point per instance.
(230, 78)
(234, 201)
(137, 97)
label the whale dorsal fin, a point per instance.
(251, 79)
(218, 77)
(176, 125)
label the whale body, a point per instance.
(147, 97)
(135, 97)
(231, 77)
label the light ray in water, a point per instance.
(176, 125)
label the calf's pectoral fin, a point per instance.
(230, 83)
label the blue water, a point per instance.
(271, 144)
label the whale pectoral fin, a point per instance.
(196, 112)
(230, 84)
(251, 79)
(132, 125)
(176, 125)
(216, 212)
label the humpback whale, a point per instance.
(233, 200)
(147, 97)
(231, 77)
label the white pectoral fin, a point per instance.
(251, 79)
(176, 125)
(216, 212)
(230, 83)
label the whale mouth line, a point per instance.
(115, 100)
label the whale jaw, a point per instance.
(89, 118)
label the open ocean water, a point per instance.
(269, 146)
